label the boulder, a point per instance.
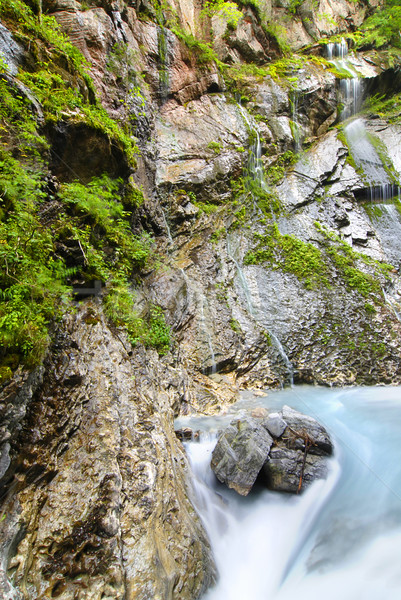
(288, 449)
(304, 428)
(240, 453)
(286, 471)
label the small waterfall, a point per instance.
(206, 330)
(350, 87)
(387, 221)
(163, 50)
(295, 126)
(337, 50)
(253, 311)
(256, 173)
(366, 157)
(168, 230)
(351, 94)
(241, 276)
(255, 170)
(281, 351)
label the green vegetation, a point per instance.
(382, 28)
(202, 50)
(32, 279)
(291, 255)
(152, 332)
(313, 266)
(276, 171)
(345, 260)
(223, 9)
(51, 236)
(235, 326)
(216, 147)
(385, 107)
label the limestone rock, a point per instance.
(10, 51)
(101, 502)
(240, 453)
(289, 457)
(302, 426)
(284, 468)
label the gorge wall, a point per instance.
(199, 165)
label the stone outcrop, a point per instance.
(286, 451)
(97, 498)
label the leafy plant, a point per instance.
(382, 28)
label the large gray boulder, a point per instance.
(240, 454)
(288, 449)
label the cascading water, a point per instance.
(380, 185)
(163, 50)
(255, 168)
(341, 538)
(167, 226)
(295, 127)
(387, 221)
(232, 251)
(204, 323)
(350, 86)
(364, 154)
(337, 50)
(351, 92)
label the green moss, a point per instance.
(206, 207)
(37, 264)
(151, 330)
(203, 52)
(216, 147)
(386, 107)
(290, 255)
(346, 260)
(277, 169)
(5, 374)
(235, 326)
(218, 235)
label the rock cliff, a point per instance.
(200, 167)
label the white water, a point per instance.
(296, 128)
(342, 538)
(351, 93)
(205, 327)
(387, 221)
(350, 87)
(367, 158)
(167, 226)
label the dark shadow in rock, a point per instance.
(79, 152)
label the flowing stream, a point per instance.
(341, 538)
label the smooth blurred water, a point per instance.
(340, 539)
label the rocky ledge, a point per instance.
(285, 451)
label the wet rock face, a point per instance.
(10, 51)
(286, 451)
(96, 500)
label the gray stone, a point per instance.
(240, 453)
(284, 470)
(275, 425)
(10, 51)
(307, 428)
